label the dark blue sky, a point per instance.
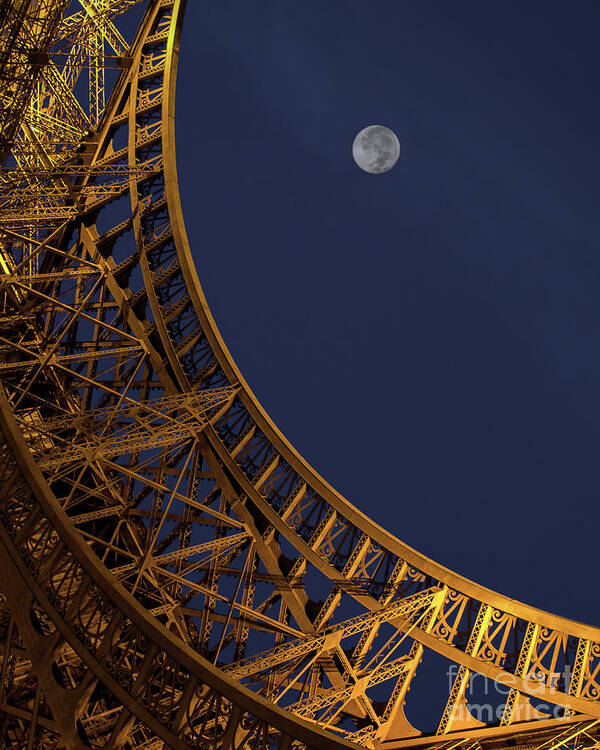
(427, 338)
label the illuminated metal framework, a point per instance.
(172, 573)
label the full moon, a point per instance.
(376, 149)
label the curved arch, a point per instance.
(266, 424)
(202, 551)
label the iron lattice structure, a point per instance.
(172, 573)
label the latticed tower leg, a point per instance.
(173, 573)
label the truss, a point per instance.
(172, 573)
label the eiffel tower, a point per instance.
(173, 574)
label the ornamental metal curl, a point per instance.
(172, 573)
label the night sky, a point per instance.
(428, 338)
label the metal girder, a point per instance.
(332, 636)
(170, 540)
